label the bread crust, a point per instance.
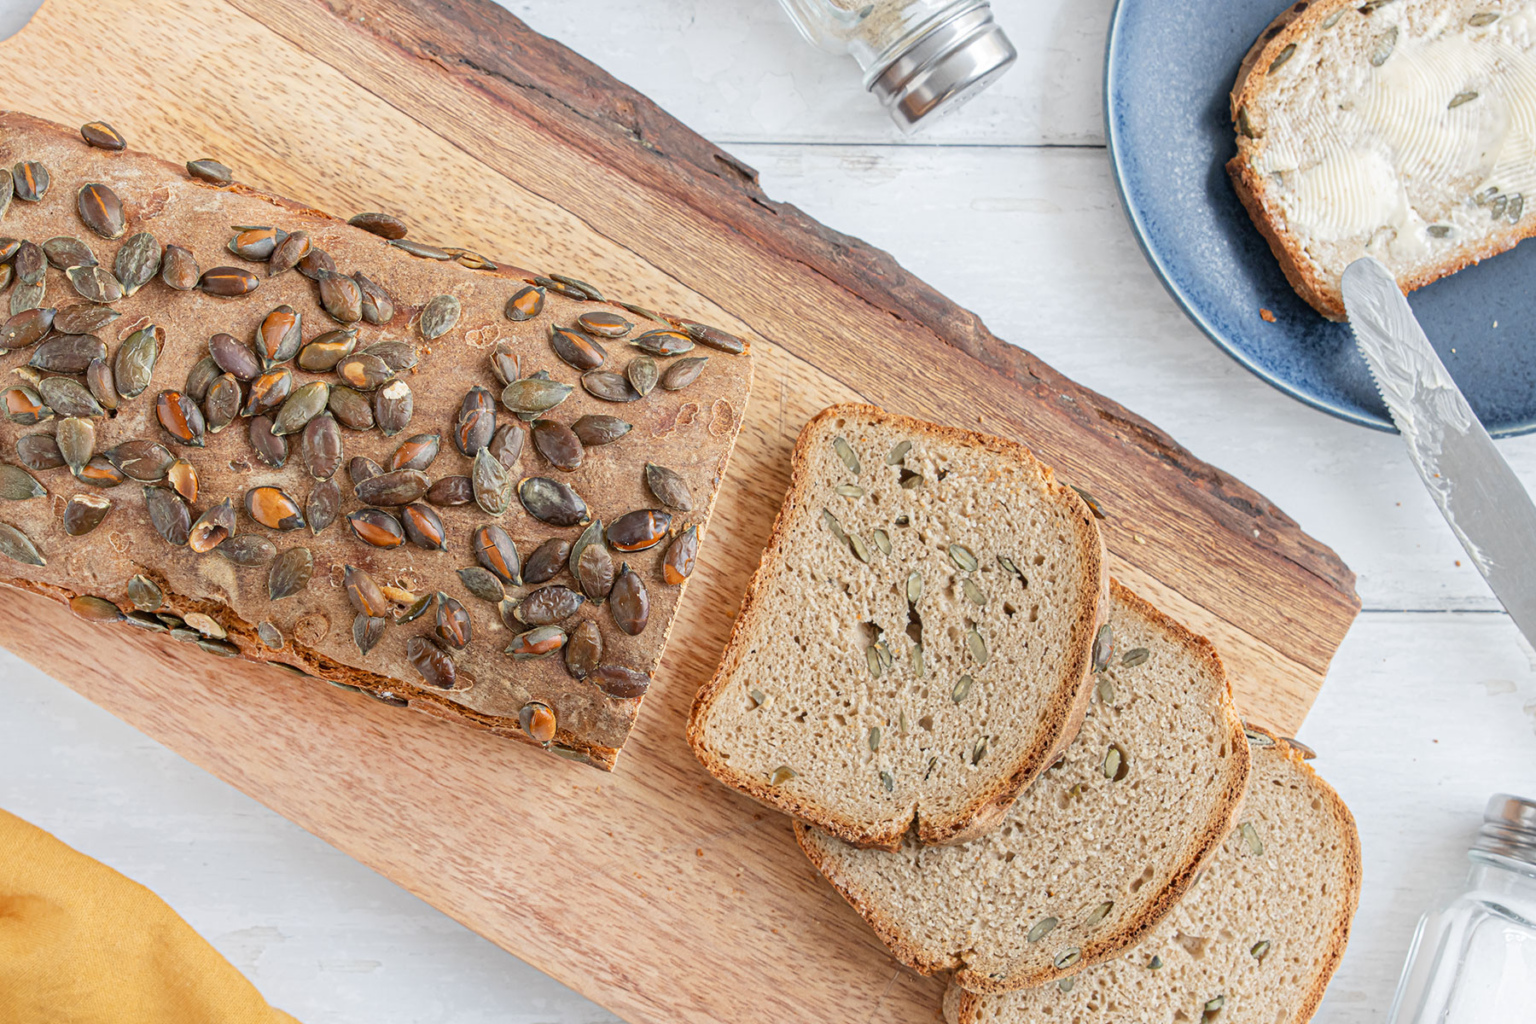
(1065, 715)
(1198, 852)
(161, 198)
(1292, 25)
(962, 1006)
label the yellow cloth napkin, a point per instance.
(81, 944)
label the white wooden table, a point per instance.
(1009, 209)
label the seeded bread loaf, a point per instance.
(1256, 939)
(1399, 129)
(915, 644)
(1092, 855)
(357, 491)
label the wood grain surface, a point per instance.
(654, 891)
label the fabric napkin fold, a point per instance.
(81, 944)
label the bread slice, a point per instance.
(1391, 128)
(915, 645)
(1256, 939)
(1097, 851)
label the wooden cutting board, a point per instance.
(652, 890)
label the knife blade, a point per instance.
(1484, 502)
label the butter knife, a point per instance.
(1479, 495)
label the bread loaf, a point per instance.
(1092, 855)
(1399, 129)
(916, 642)
(1257, 937)
(357, 491)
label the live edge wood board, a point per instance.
(652, 890)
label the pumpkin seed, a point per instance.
(683, 372)
(431, 662)
(976, 645)
(142, 460)
(558, 444)
(212, 528)
(1098, 914)
(18, 547)
(872, 659)
(438, 316)
(1103, 647)
(221, 403)
(621, 681)
(608, 386)
(28, 327)
(482, 583)
(450, 492)
(713, 337)
(1067, 957)
(421, 249)
(182, 477)
(378, 306)
(25, 406)
(273, 508)
(1135, 656)
(1041, 929)
(381, 224)
(248, 550)
(180, 417)
(271, 449)
(393, 405)
(62, 251)
(594, 430)
(962, 689)
(536, 643)
(1383, 47)
(367, 631)
(973, 592)
(849, 490)
(67, 353)
(669, 487)
(351, 407)
(833, 525)
(144, 594)
(642, 374)
(575, 288)
(476, 423)
(288, 252)
(101, 210)
(137, 262)
(27, 296)
(550, 501)
(538, 721)
(494, 549)
(677, 563)
(639, 530)
(845, 452)
(376, 527)
(290, 573)
(320, 448)
(341, 297)
(964, 558)
(84, 512)
(547, 606)
(628, 601)
(393, 488)
(1251, 837)
(423, 528)
(38, 452)
(1212, 1005)
(98, 472)
(1461, 98)
(531, 396)
(76, 438)
(179, 269)
(577, 350)
(102, 136)
(418, 452)
(169, 514)
(525, 304)
(860, 549)
(1155, 964)
(897, 453)
(211, 171)
(224, 282)
(490, 483)
(979, 751)
(603, 324)
(323, 506)
(782, 774)
(316, 262)
(1106, 689)
(1480, 19)
(453, 625)
(255, 242)
(663, 343)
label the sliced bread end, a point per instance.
(820, 707)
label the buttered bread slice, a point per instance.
(915, 646)
(1257, 938)
(1095, 852)
(1399, 129)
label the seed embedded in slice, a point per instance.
(210, 171)
(101, 210)
(273, 508)
(376, 527)
(290, 573)
(845, 452)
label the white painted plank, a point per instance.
(737, 71)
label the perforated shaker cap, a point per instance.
(1509, 828)
(943, 68)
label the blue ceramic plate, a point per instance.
(1169, 67)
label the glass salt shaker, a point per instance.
(919, 56)
(1473, 961)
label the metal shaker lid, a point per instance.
(944, 67)
(1509, 828)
